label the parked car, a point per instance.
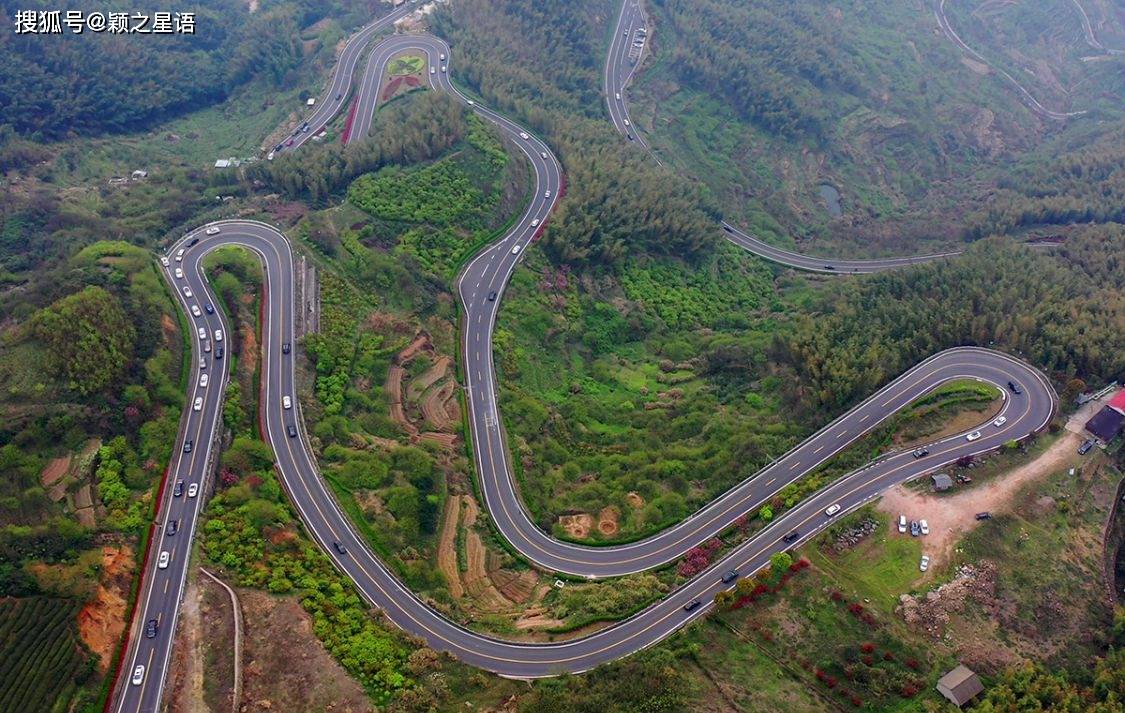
(973, 436)
(693, 605)
(925, 563)
(1086, 446)
(915, 528)
(924, 527)
(984, 515)
(1000, 421)
(832, 509)
(902, 524)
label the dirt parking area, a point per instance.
(951, 516)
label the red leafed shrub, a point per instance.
(870, 620)
(254, 480)
(819, 674)
(830, 681)
(912, 663)
(759, 590)
(227, 477)
(867, 647)
(836, 596)
(785, 578)
(857, 701)
(909, 690)
(855, 608)
(698, 558)
(888, 656)
(867, 659)
(767, 635)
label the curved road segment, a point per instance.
(480, 286)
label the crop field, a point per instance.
(41, 659)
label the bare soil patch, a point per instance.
(635, 500)
(607, 520)
(952, 516)
(55, 469)
(447, 546)
(577, 526)
(102, 620)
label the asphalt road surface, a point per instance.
(480, 287)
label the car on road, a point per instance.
(291, 430)
(534, 222)
(187, 292)
(617, 96)
(543, 155)
(730, 576)
(178, 489)
(202, 362)
(285, 348)
(150, 628)
(193, 242)
(921, 452)
(304, 128)
(629, 136)
(915, 529)
(973, 436)
(208, 308)
(924, 564)
(164, 261)
(203, 381)
(1000, 421)
(162, 562)
(218, 335)
(792, 536)
(829, 267)
(278, 147)
(832, 509)
(433, 70)
(472, 103)
(515, 249)
(139, 674)
(625, 122)
(218, 352)
(984, 515)
(492, 296)
(902, 524)
(693, 605)
(339, 96)
(924, 527)
(1014, 388)
(187, 445)
(442, 56)
(286, 402)
(1086, 446)
(340, 547)
(214, 229)
(195, 311)
(172, 527)
(180, 255)
(179, 274)
(193, 490)
(546, 194)
(198, 405)
(289, 142)
(443, 67)
(202, 334)
(524, 136)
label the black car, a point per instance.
(829, 267)
(172, 527)
(1014, 387)
(187, 446)
(915, 528)
(151, 627)
(278, 147)
(728, 228)
(984, 516)
(338, 96)
(193, 243)
(178, 489)
(730, 576)
(285, 348)
(292, 430)
(492, 296)
(630, 136)
(920, 452)
(791, 536)
(1086, 446)
(340, 548)
(693, 605)
(219, 353)
(208, 309)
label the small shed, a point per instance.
(941, 481)
(139, 175)
(960, 685)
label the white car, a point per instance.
(218, 335)
(162, 563)
(973, 436)
(902, 524)
(925, 563)
(139, 674)
(924, 526)
(164, 261)
(180, 255)
(543, 155)
(187, 292)
(433, 70)
(1000, 421)
(472, 103)
(193, 490)
(213, 230)
(546, 194)
(523, 135)
(202, 362)
(442, 55)
(198, 405)
(202, 334)
(179, 273)
(202, 381)
(832, 509)
(515, 249)
(443, 67)
(286, 402)
(534, 222)
(617, 95)
(195, 311)
(625, 122)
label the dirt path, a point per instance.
(429, 377)
(186, 680)
(237, 610)
(447, 547)
(952, 516)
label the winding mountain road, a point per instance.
(480, 287)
